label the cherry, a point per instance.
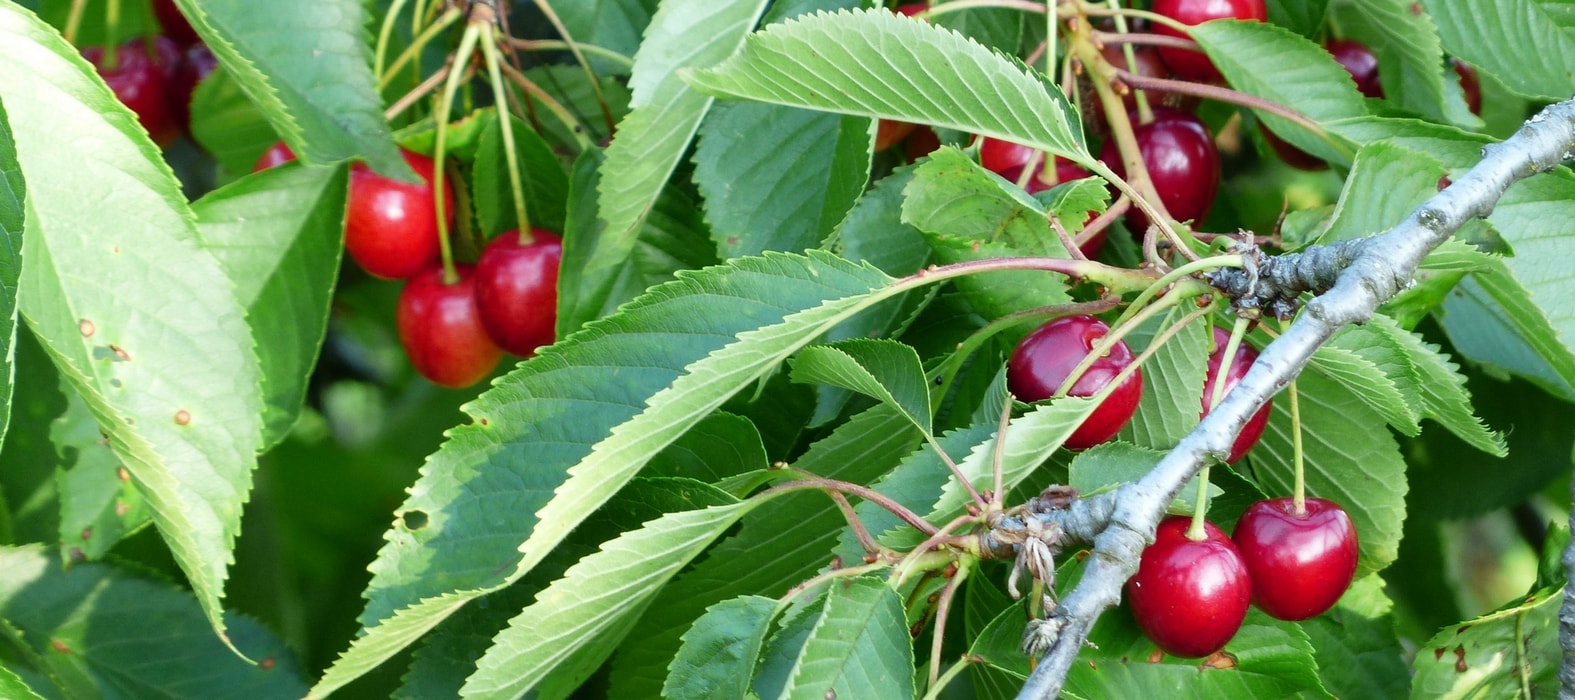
(196, 63)
(1047, 356)
(889, 132)
(1195, 65)
(1359, 61)
(140, 79)
(1300, 563)
(1245, 356)
(173, 22)
(441, 328)
(1190, 596)
(276, 155)
(1293, 156)
(922, 142)
(390, 226)
(1148, 63)
(517, 290)
(1008, 159)
(1181, 159)
(1469, 84)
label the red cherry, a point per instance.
(140, 80)
(195, 64)
(1190, 596)
(1359, 61)
(1047, 356)
(1181, 158)
(1301, 563)
(1469, 84)
(913, 8)
(391, 226)
(890, 132)
(1293, 156)
(1195, 65)
(276, 155)
(173, 22)
(441, 329)
(1245, 356)
(1149, 65)
(517, 290)
(922, 142)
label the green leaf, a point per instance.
(98, 507)
(779, 545)
(12, 686)
(859, 648)
(277, 236)
(1105, 466)
(1411, 61)
(718, 657)
(1305, 17)
(226, 123)
(13, 195)
(1349, 460)
(572, 88)
(719, 447)
(545, 185)
(886, 370)
(1269, 62)
(1442, 388)
(91, 626)
(1172, 383)
(1531, 217)
(307, 66)
(29, 459)
(1513, 652)
(778, 178)
(598, 592)
(615, 25)
(1352, 358)
(1490, 319)
(782, 650)
(1000, 28)
(653, 138)
(176, 390)
(1387, 182)
(1358, 652)
(1516, 41)
(874, 63)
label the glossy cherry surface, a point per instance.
(1300, 563)
(276, 155)
(140, 79)
(1470, 84)
(1245, 355)
(1359, 61)
(391, 227)
(1195, 65)
(441, 328)
(517, 290)
(1180, 156)
(1149, 65)
(196, 62)
(173, 22)
(1047, 356)
(1190, 597)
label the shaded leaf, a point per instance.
(717, 659)
(886, 370)
(13, 194)
(1359, 655)
(859, 648)
(1516, 41)
(1500, 654)
(545, 185)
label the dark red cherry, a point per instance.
(1195, 65)
(1359, 61)
(890, 132)
(1293, 156)
(1149, 65)
(1245, 355)
(1047, 356)
(1300, 563)
(276, 155)
(140, 79)
(922, 142)
(173, 22)
(391, 227)
(441, 328)
(517, 290)
(1180, 156)
(195, 64)
(1190, 596)
(1469, 84)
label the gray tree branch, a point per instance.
(1367, 274)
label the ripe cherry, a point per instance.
(441, 328)
(195, 64)
(276, 155)
(1293, 156)
(173, 22)
(391, 227)
(1190, 596)
(1469, 84)
(890, 132)
(1047, 356)
(1300, 563)
(517, 290)
(1181, 159)
(140, 79)
(1245, 355)
(1149, 65)
(1359, 61)
(1194, 65)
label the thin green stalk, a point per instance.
(555, 45)
(1299, 491)
(1145, 112)
(506, 122)
(467, 48)
(574, 48)
(1195, 530)
(383, 35)
(552, 105)
(1110, 339)
(111, 35)
(946, 678)
(449, 17)
(74, 21)
(1171, 277)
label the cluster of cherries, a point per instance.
(1293, 557)
(455, 323)
(155, 76)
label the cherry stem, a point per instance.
(506, 123)
(1104, 220)
(380, 54)
(810, 481)
(1156, 18)
(1067, 241)
(1225, 94)
(1110, 339)
(956, 471)
(449, 17)
(1229, 353)
(111, 35)
(832, 575)
(951, 674)
(942, 609)
(1052, 30)
(1299, 490)
(1196, 530)
(947, 371)
(1145, 112)
(1029, 6)
(556, 45)
(467, 48)
(998, 459)
(579, 57)
(914, 557)
(73, 21)
(1176, 275)
(558, 110)
(861, 533)
(425, 88)
(1166, 40)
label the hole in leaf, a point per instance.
(414, 519)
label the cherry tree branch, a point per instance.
(1354, 279)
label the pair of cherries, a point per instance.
(456, 328)
(156, 76)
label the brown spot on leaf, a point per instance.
(1462, 628)
(76, 555)
(120, 353)
(266, 664)
(1438, 654)
(1093, 666)
(87, 533)
(484, 422)
(121, 508)
(122, 474)
(1460, 659)
(60, 646)
(182, 417)
(1156, 656)
(1219, 660)
(86, 327)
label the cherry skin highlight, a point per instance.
(140, 79)
(1195, 65)
(441, 329)
(1180, 156)
(1359, 61)
(390, 226)
(517, 290)
(1047, 356)
(1300, 563)
(1190, 597)
(276, 155)
(1245, 355)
